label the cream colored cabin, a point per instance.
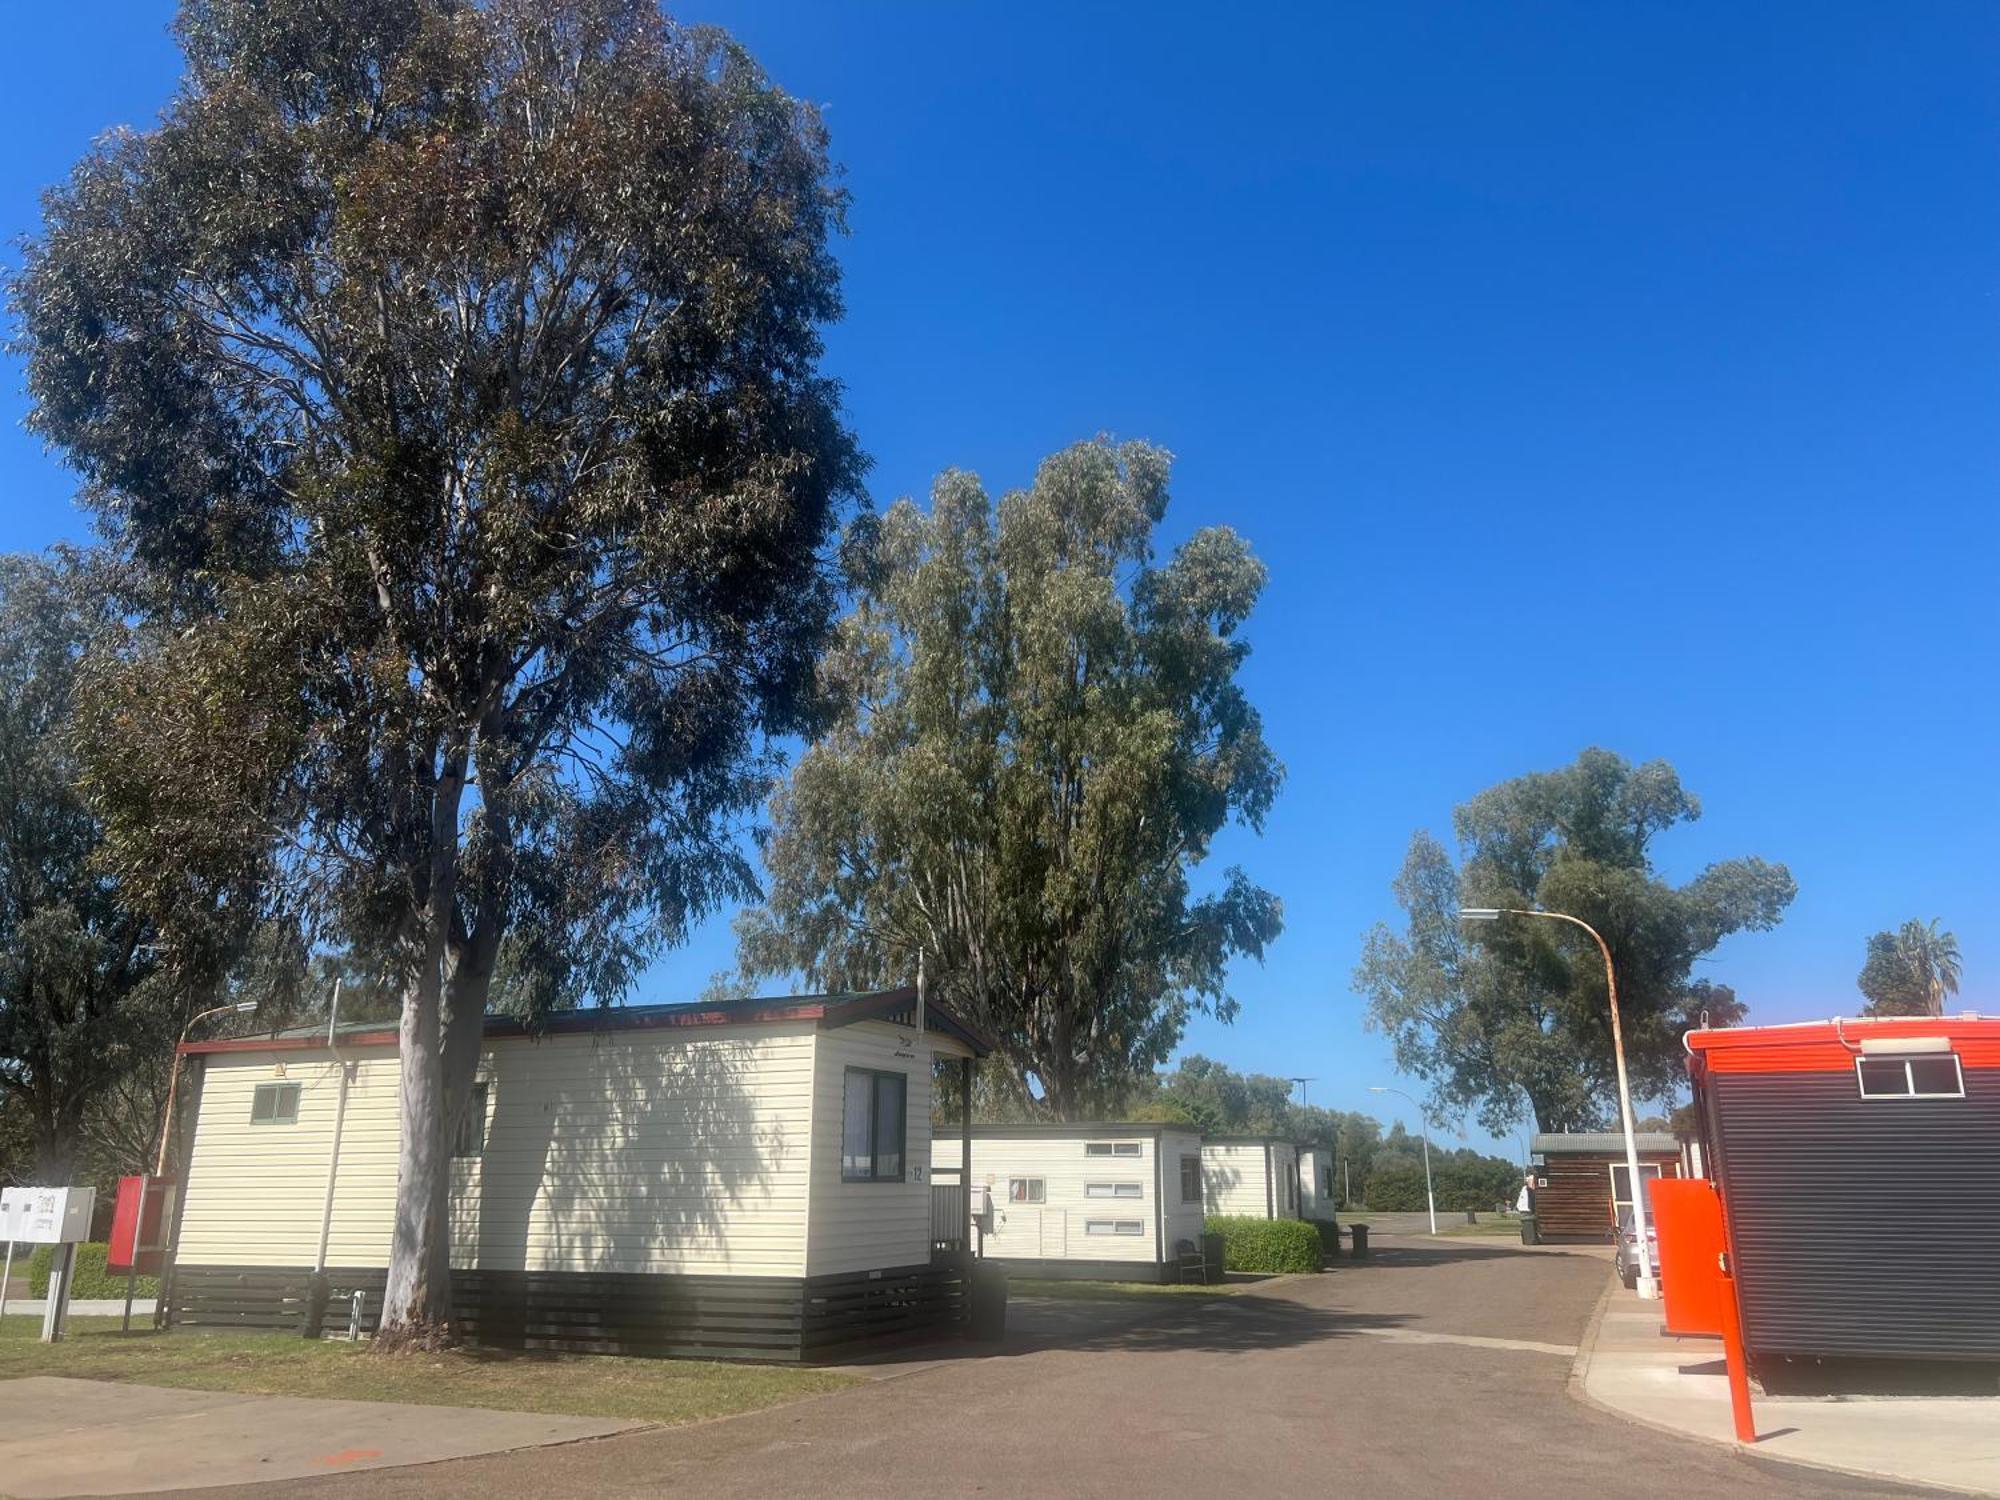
(753, 1139)
(1254, 1177)
(1319, 1184)
(1122, 1202)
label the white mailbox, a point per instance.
(46, 1216)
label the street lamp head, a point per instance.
(1375, 1088)
(1479, 914)
(244, 1007)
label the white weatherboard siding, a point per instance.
(1285, 1179)
(255, 1192)
(1184, 1216)
(1319, 1184)
(1251, 1179)
(861, 1226)
(647, 1150)
(1058, 1228)
(679, 1150)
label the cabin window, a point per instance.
(1114, 1226)
(1110, 1148)
(1190, 1179)
(1326, 1176)
(275, 1104)
(1933, 1075)
(471, 1138)
(1027, 1190)
(872, 1125)
(1113, 1190)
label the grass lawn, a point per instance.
(278, 1364)
(1086, 1291)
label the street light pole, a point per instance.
(241, 1008)
(1647, 1287)
(1430, 1197)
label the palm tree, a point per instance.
(1931, 957)
(1909, 971)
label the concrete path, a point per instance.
(1440, 1368)
(1631, 1366)
(91, 1437)
(84, 1307)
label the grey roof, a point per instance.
(1079, 1129)
(1248, 1140)
(1601, 1142)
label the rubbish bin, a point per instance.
(1360, 1233)
(1529, 1234)
(989, 1302)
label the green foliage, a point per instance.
(1220, 1101)
(1462, 1180)
(83, 991)
(1037, 734)
(1510, 1018)
(1908, 972)
(1276, 1246)
(91, 1278)
(1396, 1189)
(446, 381)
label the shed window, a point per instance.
(1113, 1190)
(1114, 1226)
(471, 1139)
(1190, 1179)
(275, 1104)
(1932, 1076)
(1027, 1190)
(1110, 1148)
(872, 1125)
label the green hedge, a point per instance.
(92, 1280)
(1270, 1245)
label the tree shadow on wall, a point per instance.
(627, 1156)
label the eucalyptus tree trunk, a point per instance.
(416, 1302)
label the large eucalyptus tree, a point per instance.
(450, 374)
(1512, 1018)
(1039, 734)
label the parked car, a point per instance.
(1626, 1238)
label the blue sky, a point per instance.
(1586, 374)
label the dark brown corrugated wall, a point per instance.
(1865, 1229)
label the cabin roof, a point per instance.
(1832, 1045)
(1249, 1140)
(1082, 1130)
(829, 1012)
(1602, 1143)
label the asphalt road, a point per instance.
(1440, 1369)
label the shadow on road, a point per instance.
(1406, 1255)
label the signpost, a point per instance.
(49, 1216)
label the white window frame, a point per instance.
(1114, 1190)
(1124, 1227)
(1112, 1148)
(278, 1089)
(1906, 1059)
(470, 1142)
(1648, 1170)
(1037, 1190)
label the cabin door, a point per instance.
(1621, 1185)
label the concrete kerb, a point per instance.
(1579, 1372)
